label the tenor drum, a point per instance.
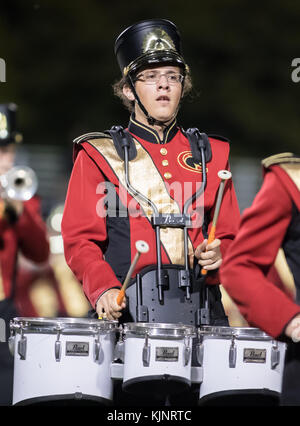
(157, 358)
(62, 361)
(241, 365)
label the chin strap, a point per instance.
(151, 120)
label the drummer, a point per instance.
(271, 226)
(99, 240)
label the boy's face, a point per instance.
(160, 98)
(7, 158)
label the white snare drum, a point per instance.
(62, 359)
(240, 365)
(157, 358)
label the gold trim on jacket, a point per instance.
(144, 176)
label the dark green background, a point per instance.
(61, 65)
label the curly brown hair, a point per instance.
(118, 90)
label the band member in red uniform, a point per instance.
(114, 193)
(21, 228)
(271, 223)
(109, 207)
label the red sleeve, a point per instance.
(31, 232)
(252, 254)
(3, 225)
(84, 229)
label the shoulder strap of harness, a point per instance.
(84, 138)
(120, 137)
(88, 136)
(197, 142)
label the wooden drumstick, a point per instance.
(223, 175)
(141, 247)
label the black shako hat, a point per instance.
(150, 42)
(8, 129)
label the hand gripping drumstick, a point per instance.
(141, 247)
(223, 175)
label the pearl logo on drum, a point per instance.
(77, 348)
(254, 355)
(166, 354)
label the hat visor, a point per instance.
(155, 57)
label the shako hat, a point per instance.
(8, 129)
(150, 42)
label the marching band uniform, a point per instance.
(272, 222)
(99, 250)
(105, 214)
(100, 244)
(28, 234)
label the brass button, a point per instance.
(163, 151)
(167, 175)
(165, 162)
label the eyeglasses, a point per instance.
(153, 77)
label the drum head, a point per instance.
(159, 330)
(53, 325)
(242, 333)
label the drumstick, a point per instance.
(223, 175)
(141, 247)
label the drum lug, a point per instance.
(232, 354)
(187, 355)
(97, 349)
(11, 345)
(146, 353)
(199, 348)
(119, 350)
(275, 356)
(22, 345)
(57, 347)
(200, 353)
(186, 352)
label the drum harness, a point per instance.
(201, 152)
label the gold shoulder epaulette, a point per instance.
(91, 135)
(285, 157)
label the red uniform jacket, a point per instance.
(29, 235)
(88, 238)
(245, 268)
